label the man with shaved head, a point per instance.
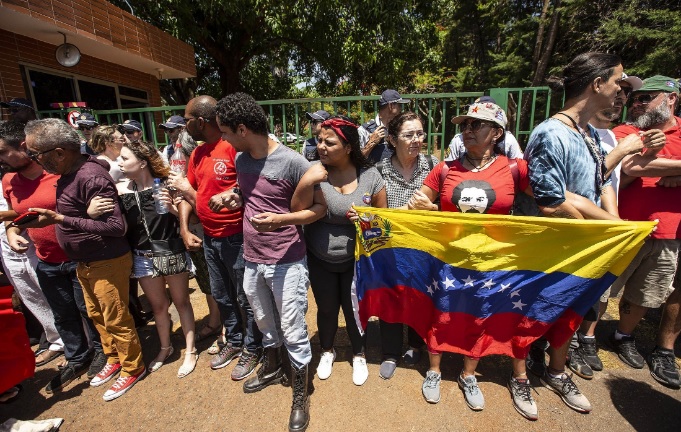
(210, 174)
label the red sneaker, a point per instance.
(122, 385)
(107, 372)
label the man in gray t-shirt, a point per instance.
(276, 277)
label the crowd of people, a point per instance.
(258, 224)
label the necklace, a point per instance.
(595, 153)
(482, 166)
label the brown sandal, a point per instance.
(212, 331)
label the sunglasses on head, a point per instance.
(643, 99)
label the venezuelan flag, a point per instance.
(485, 284)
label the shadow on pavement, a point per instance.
(644, 407)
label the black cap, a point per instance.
(173, 122)
(86, 119)
(320, 115)
(131, 125)
(391, 96)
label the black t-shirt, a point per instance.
(161, 226)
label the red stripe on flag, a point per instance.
(506, 333)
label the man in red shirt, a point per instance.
(649, 191)
(211, 172)
(30, 186)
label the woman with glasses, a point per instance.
(107, 143)
(347, 180)
(403, 173)
(481, 180)
(141, 163)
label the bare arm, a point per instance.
(191, 241)
(268, 221)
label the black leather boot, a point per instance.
(300, 409)
(270, 372)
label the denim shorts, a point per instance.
(142, 266)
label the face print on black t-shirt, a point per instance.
(473, 196)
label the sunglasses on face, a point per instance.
(475, 125)
(84, 128)
(34, 156)
(626, 90)
(643, 99)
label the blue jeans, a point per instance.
(278, 294)
(65, 297)
(226, 286)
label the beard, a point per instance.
(12, 169)
(657, 116)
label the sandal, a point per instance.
(47, 356)
(11, 395)
(203, 335)
(186, 370)
(217, 345)
(156, 365)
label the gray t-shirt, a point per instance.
(267, 185)
(332, 238)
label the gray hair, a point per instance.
(51, 133)
(187, 142)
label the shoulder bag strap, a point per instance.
(139, 205)
(515, 172)
(443, 174)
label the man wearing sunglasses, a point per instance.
(132, 130)
(20, 110)
(310, 148)
(652, 177)
(86, 125)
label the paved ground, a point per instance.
(624, 399)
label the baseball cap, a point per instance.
(17, 103)
(131, 125)
(86, 119)
(484, 111)
(320, 115)
(482, 99)
(173, 122)
(634, 81)
(660, 83)
(391, 96)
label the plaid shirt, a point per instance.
(398, 189)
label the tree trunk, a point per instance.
(540, 35)
(547, 50)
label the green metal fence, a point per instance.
(525, 108)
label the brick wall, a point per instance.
(102, 21)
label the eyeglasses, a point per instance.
(409, 136)
(129, 132)
(643, 99)
(34, 156)
(475, 125)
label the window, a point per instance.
(48, 88)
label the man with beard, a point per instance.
(649, 192)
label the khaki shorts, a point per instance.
(648, 280)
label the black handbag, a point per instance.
(169, 257)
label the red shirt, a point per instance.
(41, 192)
(644, 200)
(210, 171)
(490, 191)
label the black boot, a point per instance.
(270, 372)
(300, 410)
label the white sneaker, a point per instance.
(326, 364)
(360, 373)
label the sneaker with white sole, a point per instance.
(431, 387)
(564, 387)
(108, 371)
(326, 364)
(521, 395)
(471, 392)
(360, 373)
(122, 385)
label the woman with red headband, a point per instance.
(347, 180)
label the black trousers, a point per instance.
(391, 339)
(331, 286)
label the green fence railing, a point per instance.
(525, 108)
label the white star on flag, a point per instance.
(515, 293)
(430, 289)
(489, 284)
(469, 281)
(449, 283)
(519, 305)
(436, 285)
(504, 287)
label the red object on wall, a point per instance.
(17, 361)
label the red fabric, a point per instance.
(508, 334)
(210, 171)
(336, 123)
(41, 192)
(17, 361)
(643, 200)
(497, 177)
